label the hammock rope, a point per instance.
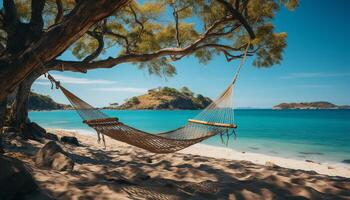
(216, 119)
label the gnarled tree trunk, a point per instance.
(3, 105)
(18, 113)
(25, 51)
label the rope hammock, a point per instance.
(216, 119)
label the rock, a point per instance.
(52, 156)
(270, 164)
(51, 136)
(347, 161)
(37, 128)
(15, 181)
(148, 160)
(35, 131)
(43, 157)
(70, 140)
(62, 163)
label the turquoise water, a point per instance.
(320, 135)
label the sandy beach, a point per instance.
(199, 172)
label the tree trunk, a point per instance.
(3, 105)
(19, 107)
(18, 115)
(17, 66)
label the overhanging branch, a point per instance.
(80, 66)
(174, 53)
(239, 16)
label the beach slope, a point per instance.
(200, 172)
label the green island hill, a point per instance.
(164, 98)
(43, 102)
(310, 105)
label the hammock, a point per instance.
(216, 119)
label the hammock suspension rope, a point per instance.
(215, 119)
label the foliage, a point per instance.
(134, 100)
(42, 102)
(186, 91)
(167, 91)
(175, 28)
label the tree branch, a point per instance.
(99, 49)
(240, 18)
(237, 2)
(174, 53)
(80, 66)
(138, 22)
(36, 20)
(176, 18)
(10, 18)
(59, 15)
(232, 29)
(109, 32)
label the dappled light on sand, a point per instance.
(125, 172)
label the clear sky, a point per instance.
(316, 67)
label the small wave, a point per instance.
(62, 122)
(311, 153)
(80, 131)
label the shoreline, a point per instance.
(331, 169)
(205, 150)
(121, 171)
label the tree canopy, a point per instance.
(151, 34)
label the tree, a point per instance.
(186, 91)
(33, 35)
(135, 100)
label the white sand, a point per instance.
(199, 172)
(332, 169)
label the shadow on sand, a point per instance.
(135, 174)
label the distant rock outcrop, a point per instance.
(42, 102)
(310, 105)
(165, 98)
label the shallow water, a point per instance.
(320, 135)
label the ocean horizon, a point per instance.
(317, 135)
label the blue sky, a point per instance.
(315, 67)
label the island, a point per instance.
(310, 105)
(43, 102)
(164, 98)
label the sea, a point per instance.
(317, 135)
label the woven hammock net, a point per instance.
(216, 119)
